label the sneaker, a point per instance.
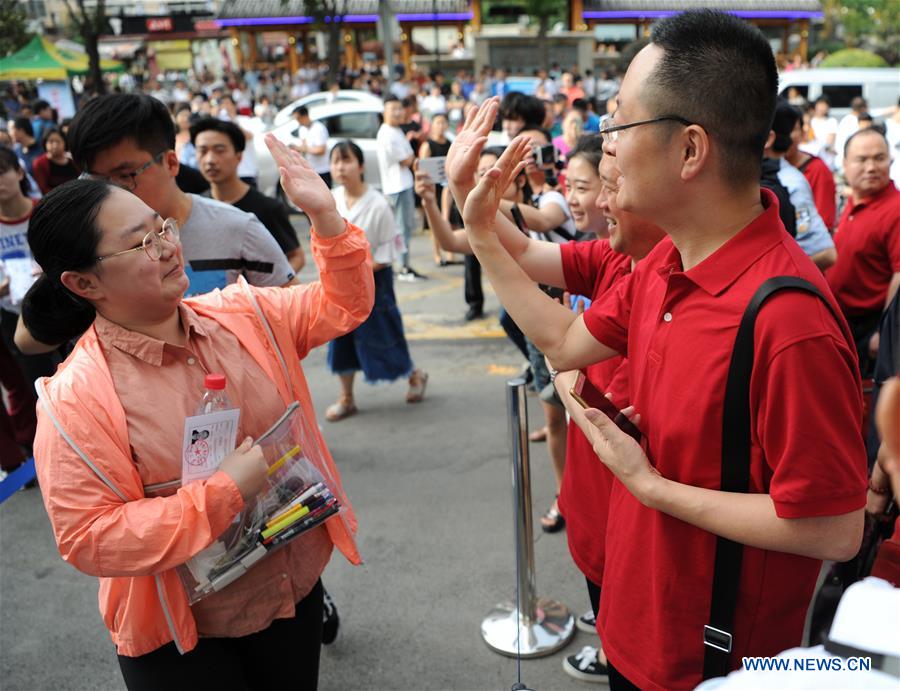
(587, 622)
(585, 666)
(330, 619)
(410, 275)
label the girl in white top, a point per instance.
(378, 346)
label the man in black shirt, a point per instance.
(220, 146)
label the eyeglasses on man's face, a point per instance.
(152, 242)
(610, 131)
(127, 181)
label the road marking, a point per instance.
(432, 327)
(443, 285)
(503, 370)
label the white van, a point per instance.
(880, 86)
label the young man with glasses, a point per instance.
(688, 165)
(129, 140)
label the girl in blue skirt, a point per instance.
(378, 346)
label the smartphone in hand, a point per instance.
(588, 396)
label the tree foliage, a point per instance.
(869, 24)
(90, 23)
(13, 27)
(854, 57)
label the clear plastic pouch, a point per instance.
(300, 495)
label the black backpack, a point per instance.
(769, 180)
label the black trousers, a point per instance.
(473, 291)
(283, 656)
(617, 682)
(594, 595)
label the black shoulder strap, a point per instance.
(718, 633)
(803, 166)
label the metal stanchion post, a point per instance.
(532, 626)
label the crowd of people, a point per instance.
(625, 223)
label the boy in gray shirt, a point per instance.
(129, 140)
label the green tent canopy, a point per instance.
(40, 59)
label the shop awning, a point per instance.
(41, 59)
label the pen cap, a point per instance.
(216, 382)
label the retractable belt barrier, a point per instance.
(531, 626)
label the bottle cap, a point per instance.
(214, 381)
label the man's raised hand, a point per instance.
(482, 203)
(462, 158)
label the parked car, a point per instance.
(880, 86)
(354, 120)
(322, 98)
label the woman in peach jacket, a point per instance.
(110, 427)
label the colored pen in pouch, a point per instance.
(301, 511)
(281, 461)
(290, 506)
(309, 522)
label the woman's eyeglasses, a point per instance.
(152, 242)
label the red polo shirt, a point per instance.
(868, 247)
(678, 329)
(821, 179)
(591, 268)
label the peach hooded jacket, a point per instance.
(93, 494)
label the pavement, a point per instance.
(431, 487)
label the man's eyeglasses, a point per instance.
(610, 132)
(127, 181)
(152, 242)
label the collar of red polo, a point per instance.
(890, 189)
(724, 266)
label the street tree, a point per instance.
(13, 27)
(328, 16)
(90, 23)
(544, 11)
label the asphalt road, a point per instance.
(431, 486)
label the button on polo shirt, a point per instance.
(868, 246)
(806, 446)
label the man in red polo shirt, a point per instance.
(689, 167)
(867, 272)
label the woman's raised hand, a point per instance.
(482, 203)
(301, 183)
(462, 159)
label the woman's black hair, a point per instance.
(348, 149)
(63, 236)
(590, 148)
(9, 160)
(45, 135)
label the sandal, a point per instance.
(538, 435)
(338, 411)
(417, 382)
(553, 521)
